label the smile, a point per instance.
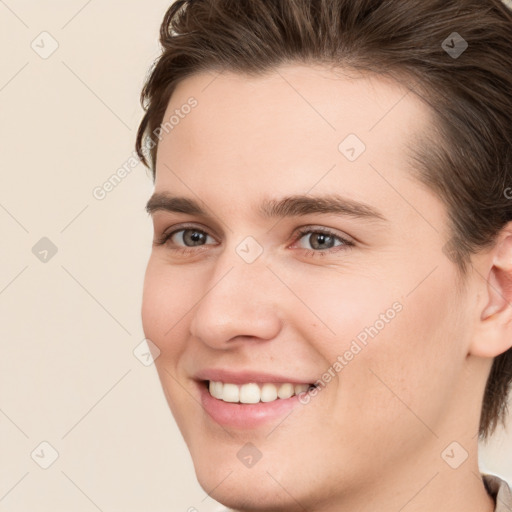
(253, 393)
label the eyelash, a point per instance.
(345, 243)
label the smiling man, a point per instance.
(330, 283)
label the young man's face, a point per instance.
(364, 303)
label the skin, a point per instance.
(372, 439)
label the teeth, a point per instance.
(301, 388)
(285, 391)
(268, 393)
(252, 393)
(230, 393)
(216, 389)
(249, 393)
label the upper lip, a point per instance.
(244, 377)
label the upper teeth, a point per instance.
(253, 393)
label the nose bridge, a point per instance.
(238, 299)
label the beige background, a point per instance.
(70, 323)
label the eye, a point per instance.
(187, 239)
(184, 239)
(321, 240)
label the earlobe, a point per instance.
(494, 333)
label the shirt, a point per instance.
(498, 489)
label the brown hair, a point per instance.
(466, 156)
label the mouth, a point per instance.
(249, 398)
(254, 393)
(250, 405)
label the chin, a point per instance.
(246, 491)
(269, 485)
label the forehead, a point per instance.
(291, 130)
(328, 100)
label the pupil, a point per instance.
(195, 237)
(321, 239)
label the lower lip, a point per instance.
(245, 416)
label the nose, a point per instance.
(239, 302)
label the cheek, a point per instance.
(344, 306)
(165, 303)
(401, 352)
(401, 379)
(164, 306)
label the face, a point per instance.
(343, 286)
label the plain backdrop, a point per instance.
(84, 425)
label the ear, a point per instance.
(493, 334)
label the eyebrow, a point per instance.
(291, 206)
